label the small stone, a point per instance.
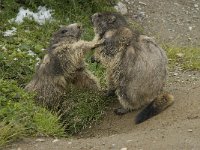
(175, 74)
(189, 130)
(113, 145)
(196, 5)
(124, 148)
(19, 148)
(142, 3)
(40, 140)
(120, 7)
(4, 48)
(176, 4)
(180, 69)
(69, 143)
(129, 141)
(55, 140)
(10, 32)
(190, 28)
(180, 55)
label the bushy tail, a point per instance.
(159, 104)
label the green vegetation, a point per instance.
(82, 108)
(19, 115)
(187, 58)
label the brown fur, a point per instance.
(62, 66)
(136, 65)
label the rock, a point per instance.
(120, 7)
(55, 140)
(40, 140)
(189, 130)
(142, 3)
(196, 5)
(124, 148)
(175, 74)
(176, 4)
(69, 143)
(180, 55)
(10, 32)
(4, 48)
(129, 141)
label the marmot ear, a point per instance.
(112, 19)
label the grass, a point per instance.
(82, 108)
(19, 115)
(186, 57)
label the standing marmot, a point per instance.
(136, 66)
(62, 66)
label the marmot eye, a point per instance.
(99, 15)
(64, 31)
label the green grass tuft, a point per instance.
(186, 57)
(20, 116)
(82, 108)
(10, 132)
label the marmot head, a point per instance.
(71, 32)
(103, 22)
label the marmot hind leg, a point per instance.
(125, 108)
(128, 103)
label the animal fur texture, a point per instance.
(136, 66)
(63, 66)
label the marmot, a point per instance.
(62, 66)
(136, 66)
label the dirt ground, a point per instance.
(178, 127)
(176, 22)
